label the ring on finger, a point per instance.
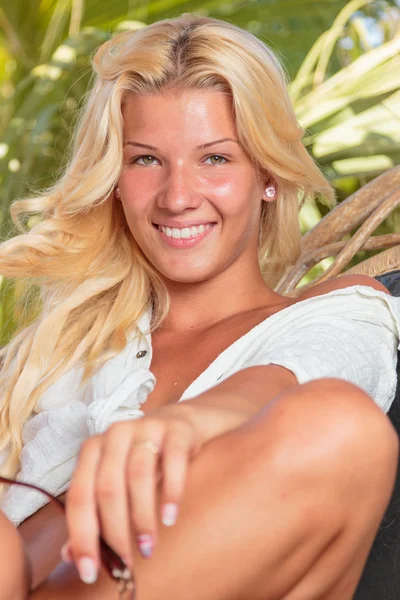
(150, 445)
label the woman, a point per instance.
(261, 463)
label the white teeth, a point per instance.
(185, 233)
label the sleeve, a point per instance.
(350, 336)
(68, 414)
(51, 440)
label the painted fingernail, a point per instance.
(169, 514)
(145, 544)
(87, 569)
(66, 553)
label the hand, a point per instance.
(113, 491)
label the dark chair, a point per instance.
(381, 575)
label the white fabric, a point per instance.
(351, 333)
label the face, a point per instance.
(191, 196)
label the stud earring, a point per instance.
(270, 191)
(117, 194)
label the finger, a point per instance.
(81, 514)
(112, 490)
(176, 456)
(142, 483)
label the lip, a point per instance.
(180, 225)
(184, 243)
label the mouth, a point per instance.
(185, 237)
(183, 232)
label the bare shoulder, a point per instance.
(343, 282)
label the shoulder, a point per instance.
(343, 282)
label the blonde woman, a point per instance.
(225, 441)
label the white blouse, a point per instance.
(351, 333)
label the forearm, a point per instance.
(239, 397)
(250, 389)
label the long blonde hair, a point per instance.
(95, 282)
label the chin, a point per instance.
(187, 278)
(188, 274)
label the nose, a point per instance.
(179, 191)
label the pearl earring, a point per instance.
(270, 192)
(117, 194)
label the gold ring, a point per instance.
(150, 445)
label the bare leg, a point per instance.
(285, 507)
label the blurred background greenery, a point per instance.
(342, 58)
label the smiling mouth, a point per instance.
(184, 232)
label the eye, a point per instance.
(144, 157)
(217, 156)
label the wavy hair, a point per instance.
(95, 282)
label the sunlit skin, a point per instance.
(178, 183)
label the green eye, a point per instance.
(217, 156)
(145, 158)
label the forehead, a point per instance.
(189, 113)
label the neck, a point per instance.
(202, 304)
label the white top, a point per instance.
(351, 334)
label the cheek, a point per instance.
(241, 203)
(224, 190)
(133, 206)
(134, 202)
(232, 197)
(134, 190)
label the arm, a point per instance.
(249, 389)
(219, 410)
(238, 398)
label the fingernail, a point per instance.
(87, 569)
(145, 544)
(169, 514)
(66, 553)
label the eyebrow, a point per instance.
(201, 147)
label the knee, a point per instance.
(351, 423)
(328, 437)
(338, 417)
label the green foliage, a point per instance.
(352, 114)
